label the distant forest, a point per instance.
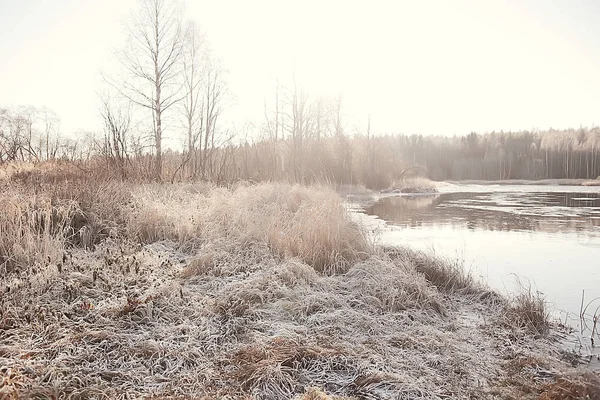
(378, 161)
(554, 154)
(303, 145)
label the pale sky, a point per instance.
(430, 67)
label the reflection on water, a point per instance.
(549, 236)
(518, 211)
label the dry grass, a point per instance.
(392, 287)
(104, 208)
(294, 221)
(586, 386)
(414, 185)
(527, 312)
(272, 367)
(255, 292)
(38, 223)
(448, 276)
(313, 393)
(532, 378)
(33, 231)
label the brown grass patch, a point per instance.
(586, 386)
(271, 366)
(527, 312)
(534, 379)
(310, 224)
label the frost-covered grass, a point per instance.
(414, 185)
(292, 221)
(265, 291)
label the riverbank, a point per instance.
(265, 291)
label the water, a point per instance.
(546, 236)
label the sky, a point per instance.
(425, 67)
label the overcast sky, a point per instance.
(431, 67)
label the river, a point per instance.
(544, 236)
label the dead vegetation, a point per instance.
(586, 386)
(414, 184)
(257, 291)
(446, 275)
(527, 311)
(532, 377)
(294, 221)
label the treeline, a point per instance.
(32, 134)
(176, 85)
(552, 154)
(379, 161)
(302, 141)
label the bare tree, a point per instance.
(205, 97)
(152, 64)
(17, 134)
(117, 123)
(215, 94)
(273, 135)
(50, 140)
(194, 58)
(298, 128)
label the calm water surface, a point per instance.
(548, 236)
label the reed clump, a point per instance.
(33, 230)
(527, 311)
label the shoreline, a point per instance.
(544, 182)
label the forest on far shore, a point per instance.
(309, 144)
(552, 154)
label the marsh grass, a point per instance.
(103, 209)
(32, 230)
(448, 276)
(265, 291)
(39, 222)
(293, 221)
(527, 311)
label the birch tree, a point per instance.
(152, 65)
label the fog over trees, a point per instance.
(170, 82)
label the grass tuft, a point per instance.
(527, 311)
(448, 276)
